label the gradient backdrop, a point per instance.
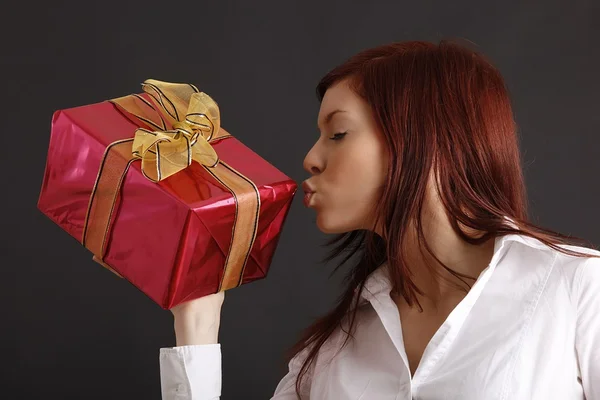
(72, 330)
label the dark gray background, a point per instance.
(72, 330)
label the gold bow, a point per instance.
(177, 127)
(193, 117)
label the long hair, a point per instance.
(441, 106)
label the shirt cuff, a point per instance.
(190, 372)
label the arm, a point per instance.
(192, 369)
(191, 372)
(588, 327)
(194, 373)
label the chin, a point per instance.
(328, 226)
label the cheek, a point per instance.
(356, 175)
(353, 180)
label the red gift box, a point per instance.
(169, 237)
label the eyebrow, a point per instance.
(330, 116)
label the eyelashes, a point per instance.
(338, 136)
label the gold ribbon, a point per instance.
(177, 127)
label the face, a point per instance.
(348, 163)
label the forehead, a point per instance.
(339, 97)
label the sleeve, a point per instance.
(587, 340)
(191, 372)
(194, 373)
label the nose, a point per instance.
(313, 162)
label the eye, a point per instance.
(338, 136)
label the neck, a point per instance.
(438, 284)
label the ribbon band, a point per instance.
(174, 129)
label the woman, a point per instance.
(454, 293)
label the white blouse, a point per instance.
(529, 328)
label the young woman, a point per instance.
(454, 293)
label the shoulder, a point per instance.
(351, 328)
(587, 284)
(579, 270)
(536, 251)
(580, 274)
(572, 273)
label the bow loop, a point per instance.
(203, 115)
(194, 120)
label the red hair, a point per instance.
(440, 106)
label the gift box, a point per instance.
(164, 196)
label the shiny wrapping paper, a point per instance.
(170, 239)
